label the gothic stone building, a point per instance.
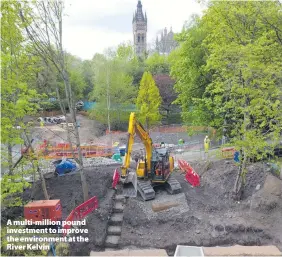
(166, 43)
(139, 24)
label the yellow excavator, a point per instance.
(153, 170)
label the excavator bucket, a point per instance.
(130, 185)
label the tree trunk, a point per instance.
(36, 167)
(53, 12)
(72, 109)
(10, 159)
(240, 182)
(76, 135)
(109, 105)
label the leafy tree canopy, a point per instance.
(148, 101)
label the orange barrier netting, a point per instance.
(115, 132)
(228, 152)
(64, 150)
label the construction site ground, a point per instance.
(200, 216)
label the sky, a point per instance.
(91, 26)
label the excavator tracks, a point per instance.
(172, 186)
(146, 190)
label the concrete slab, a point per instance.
(127, 252)
(114, 230)
(112, 241)
(239, 250)
(183, 250)
(116, 219)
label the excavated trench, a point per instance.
(202, 216)
(207, 216)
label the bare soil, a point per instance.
(201, 216)
(68, 189)
(211, 218)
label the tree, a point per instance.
(19, 66)
(165, 85)
(88, 73)
(191, 79)
(43, 23)
(157, 64)
(236, 89)
(148, 101)
(113, 91)
(245, 87)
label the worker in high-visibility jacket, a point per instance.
(207, 144)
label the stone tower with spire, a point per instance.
(139, 24)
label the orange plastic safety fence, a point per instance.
(228, 152)
(87, 152)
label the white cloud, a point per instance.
(90, 26)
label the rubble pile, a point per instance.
(98, 161)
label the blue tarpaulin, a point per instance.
(64, 166)
(114, 107)
(88, 106)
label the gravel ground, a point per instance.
(146, 207)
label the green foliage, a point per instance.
(187, 64)
(148, 101)
(245, 86)
(4, 242)
(113, 84)
(19, 67)
(228, 74)
(157, 64)
(18, 70)
(63, 249)
(88, 73)
(77, 77)
(11, 188)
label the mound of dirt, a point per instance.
(69, 190)
(269, 197)
(209, 217)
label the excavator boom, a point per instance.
(128, 175)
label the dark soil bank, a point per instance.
(204, 216)
(211, 217)
(68, 189)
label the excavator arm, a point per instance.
(158, 174)
(129, 176)
(135, 127)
